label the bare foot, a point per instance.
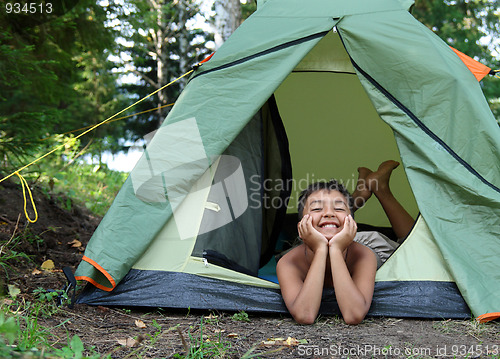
(378, 181)
(362, 192)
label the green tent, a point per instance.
(321, 88)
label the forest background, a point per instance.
(66, 70)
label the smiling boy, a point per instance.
(329, 255)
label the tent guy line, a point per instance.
(23, 180)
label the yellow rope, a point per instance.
(25, 187)
(116, 119)
(80, 135)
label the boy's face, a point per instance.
(328, 210)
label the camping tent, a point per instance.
(321, 88)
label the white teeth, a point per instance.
(329, 226)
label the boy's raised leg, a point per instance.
(378, 183)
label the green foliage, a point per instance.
(201, 346)
(248, 8)
(165, 46)
(8, 330)
(9, 255)
(30, 333)
(70, 179)
(74, 349)
(241, 316)
(94, 186)
(22, 336)
(54, 77)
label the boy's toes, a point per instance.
(388, 165)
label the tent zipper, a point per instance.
(420, 124)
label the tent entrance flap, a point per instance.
(326, 113)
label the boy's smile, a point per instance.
(328, 210)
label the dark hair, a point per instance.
(332, 185)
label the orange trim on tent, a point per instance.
(100, 269)
(203, 61)
(478, 69)
(488, 317)
(207, 58)
(90, 280)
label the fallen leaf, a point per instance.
(36, 271)
(13, 290)
(75, 243)
(48, 265)
(232, 335)
(129, 342)
(140, 324)
(7, 301)
(291, 341)
(268, 342)
(281, 341)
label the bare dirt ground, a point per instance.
(61, 234)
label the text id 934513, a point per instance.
(28, 8)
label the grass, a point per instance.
(241, 316)
(70, 179)
(21, 334)
(203, 345)
(94, 186)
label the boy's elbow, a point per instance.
(304, 318)
(354, 318)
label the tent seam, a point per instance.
(262, 53)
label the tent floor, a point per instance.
(139, 288)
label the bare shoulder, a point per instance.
(358, 253)
(294, 260)
(359, 249)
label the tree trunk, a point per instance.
(160, 57)
(183, 43)
(227, 19)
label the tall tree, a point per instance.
(227, 19)
(229, 14)
(53, 76)
(164, 43)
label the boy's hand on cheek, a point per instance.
(346, 236)
(311, 237)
